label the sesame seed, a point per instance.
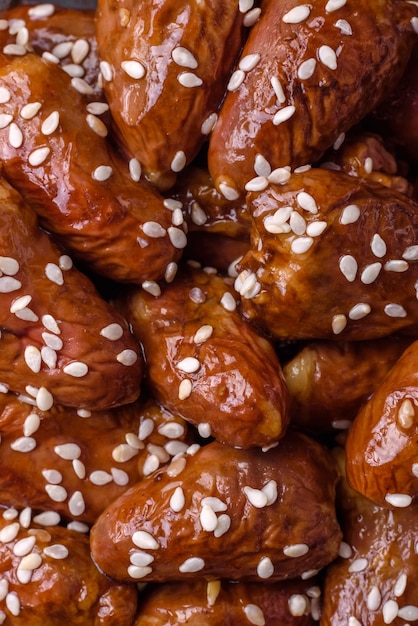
(171, 204)
(80, 50)
(390, 611)
(47, 518)
(189, 365)
(193, 564)
(279, 176)
(50, 124)
(400, 585)
(24, 546)
(177, 237)
(65, 262)
(254, 614)
(81, 86)
(102, 173)
(344, 27)
(151, 287)
(76, 504)
(135, 169)
(297, 223)
(249, 62)
(5, 120)
(68, 451)
(141, 559)
(411, 253)
(327, 57)
(358, 311)
(134, 69)
(230, 193)
(113, 332)
(144, 540)
(296, 550)
(334, 5)
(62, 49)
(208, 518)
(368, 165)
(5, 95)
(177, 500)
(209, 124)
(127, 357)
(96, 125)
(278, 89)
(138, 572)
(298, 604)
(251, 17)
(415, 469)
(151, 464)
(54, 477)
(145, 429)
(50, 324)
(396, 265)
(33, 358)
(98, 108)
(189, 80)
(9, 533)
(270, 490)
(409, 612)
(153, 229)
(348, 267)
(44, 399)
(306, 69)
(13, 603)
(25, 517)
(184, 58)
(258, 183)
(15, 135)
(77, 369)
(256, 497)
(31, 424)
(9, 266)
(300, 245)
(120, 477)
(56, 493)
(171, 430)
(236, 80)
(14, 49)
(56, 551)
(414, 24)
(307, 202)
(374, 599)
(106, 71)
(261, 166)
(378, 246)
(179, 161)
(54, 274)
(41, 10)
(395, 310)
(50, 58)
(297, 15)
(100, 477)
(79, 468)
(123, 453)
(185, 389)
(265, 568)
(84, 413)
(406, 414)
(198, 215)
(27, 314)
(228, 301)
(245, 5)
(315, 229)
(176, 467)
(224, 524)
(52, 341)
(370, 273)
(398, 500)
(79, 527)
(358, 565)
(284, 114)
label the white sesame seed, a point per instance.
(297, 15)
(378, 246)
(153, 229)
(50, 324)
(102, 173)
(348, 267)
(176, 467)
(24, 546)
(76, 504)
(113, 332)
(151, 464)
(251, 17)
(77, 369)
(327, 57)
(127, 357)
(137, 572)
(307, 202)
(81, 86)
(300, 245)
(358, 311)
(120, 477)
(145, 429)
(100, 477)
(33, 358)
(296, 550)
(400, 585)
(398, 500)
(15, 135)
(406, 414)
(96, 125)
(177, 500)
(306, 69)
(265, 568)
(27, 314)
(358, 565)
(44, 399)
(68, 451)
(9, 266)
(410, 253)
(297, 223)
(315, 229)
(47, 518)
(390, 611)
(261, 166)
(123, 453)
(236, 80)
(56, 551)
(395, 310)
(245, 5)
(396, 265)
(79, 468)
(151, 287)
(31, 424)
(184, 58)
(370, 273)
(42, 10)
(256, 497)
(50, 58)
(13, 603)
(141, 559)
(414, 24)
(5, 95)
(56, 493)
(171, 430)
(134, 69)
(177, 237)
(50, 124)
(249, 62)
(52, 476)
(79, 527)
(258, 183)
(284, 114)
(62, 49)
(374, 598)
(209, 124)
(54, 274)
(65, 262)
(208, 518)
(298, 604)
(191, 565)
(189, 365)
(52, 341)
(14, 50)
(5, 119)
(9, 533)
(135, 169)
(144, 540)
(179, 161)
(25, 517)
(270, 490)
(80, 50)
(344, 27)
(254, 614)
(228, 301)
(185, 389)
(334, 5)
(278, 89)
(409, 612)
(189, 80)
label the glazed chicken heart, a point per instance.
(318, 69)
(221, 512)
